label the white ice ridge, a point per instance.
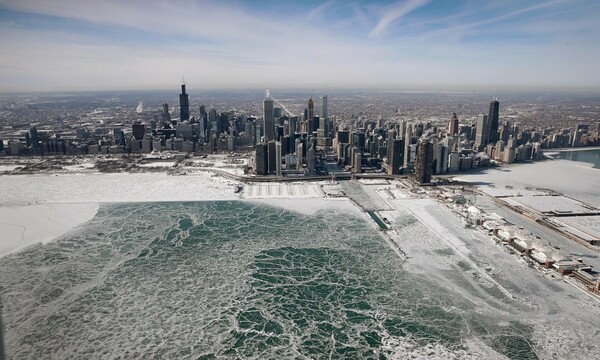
(22, 226)
(109, 188)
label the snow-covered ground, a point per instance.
(39, 208)
(119, 187)
(574, 179)
(273, 190)
(22, 226)
(550, 203)
(311, 206)
(465, 261)
(589, 224)
(158, 164)
(80, 167)
(7, 167)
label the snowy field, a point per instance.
(158, 164)
(312, 206)
(119, 187)
(588, 224)
(441, 250)
(4, 168)
(510, 191)
(544, 204)
(574, 179)
(282, 190)
(22, 226)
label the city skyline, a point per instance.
(421, 44)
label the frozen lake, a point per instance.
(237, 279)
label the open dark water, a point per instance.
(231, 279)
(591, 156)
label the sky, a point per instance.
(407, 44)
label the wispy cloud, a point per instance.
(489, 21)
(318, 11)
(141, 43)
(394, 13)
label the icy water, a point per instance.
(591, 156)
(234, 280)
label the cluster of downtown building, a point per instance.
(313, 143)
(290, 148)
(199, 133)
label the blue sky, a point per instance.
(407, 44)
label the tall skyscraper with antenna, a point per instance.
(184, 105)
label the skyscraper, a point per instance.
(166, 116)
(311, 109)
(278, 158)
(292, 126)
(268, 120)
(394, 156)
(138, 129)
(407, 141)
(482, 132)
(493, 118)
(299, 150)
(261, 159)
(453, 126)
(311, 157)
(424, 161)
(391, 136)
(271, 157)
(35, 140)
(184, 105)
(324, 108)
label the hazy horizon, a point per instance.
(318, 91)
(418, 45)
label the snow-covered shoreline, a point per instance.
(40, 208)
(74, 198)
(110, 188)
(574, 179)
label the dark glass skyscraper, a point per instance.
(184, 105)
(35, 141)
(268, 120)
(394, 156)
(424, 161)
(493, 118)
(138, 130)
